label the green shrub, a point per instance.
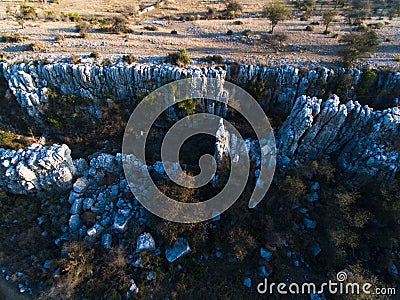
(229, 32)
(120, 24)
(14, 38)
(27, 11)
(75, 59)
(275, 12)
(50, 15)
(6, 139)
(59, 38)
(174, 32)
(232, 8)
(358, 44)
(129, 59)
(74, 17)
(180, 58)
(95, 54)
(397, 57)
(238, 22)
(107, 62)
(247, 32)
(151, 28)
(83, 29)
(3, 56)
(188, 106)
(328, 17)
(36, 46)
(214, 58)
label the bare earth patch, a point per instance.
(199, 37)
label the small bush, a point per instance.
(36, 46)
(357, 45)
(238, 22)
(3, 56)
(59, 38)
(214, 58)
(229, 32)
(174, 32)
(119, 25)
(211, 13)
(50, 15)
(75, 59)
(83, 29)
(397, 57)
(247, 32)
(27, 11)
(180, 58)
(74, 17)
(129, 59)
(6, 139)
(107, 62)
(13, 38)
(310, 28)
(232, 8)
(95, 54)
(151, 28)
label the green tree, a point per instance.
(358, 44)
(276, 12)
(328, 17)
(233, 7)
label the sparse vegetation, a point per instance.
(120, 24)
(83, 29)
(328, 17)
(276, 12)
(358, 44)
(217, 59)
(129, 59)
(151, 28)
(13, 38)
(36, 46)
(180, 58)
(75, 59)
(27, 11)
(59, 38)
(95, 54)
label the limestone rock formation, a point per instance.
(365, 141)
(36, 169)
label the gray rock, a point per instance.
(80, 185)
(310, 224)
(144, 242)
(36, 169)
(247, 282)
(77, 206)
(74, 222)
(265, 254)
(106, 241)
(181, 247)
(315, 249)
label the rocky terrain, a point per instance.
(311, 122)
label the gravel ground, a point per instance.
(200, 38)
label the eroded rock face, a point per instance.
(29, 82)
(36, 169)
(365, 141)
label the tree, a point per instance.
(276, 12)
(328, 17)
(358, 44)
